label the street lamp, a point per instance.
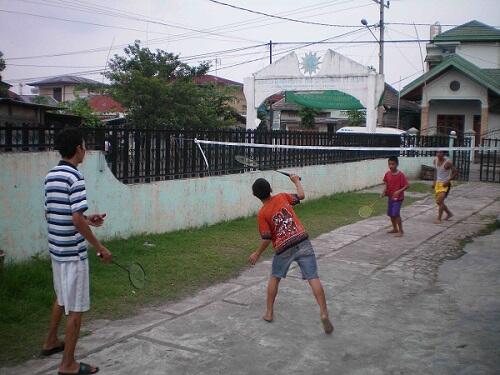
(364, 22)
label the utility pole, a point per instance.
(381, 25)
(383, 4)
(270, 52)
(381, 39)
(271, 114)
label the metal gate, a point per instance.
(462, 159)
(490, 161)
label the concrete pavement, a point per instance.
(412, 305)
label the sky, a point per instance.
(43, 38)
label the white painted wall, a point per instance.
(440, 89)
(493, 125)
(484, 55)
(160, 206)
(337, 72)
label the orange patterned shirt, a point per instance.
(279, 223)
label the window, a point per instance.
(57, 93)
(454, 85)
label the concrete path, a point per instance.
(412, 305)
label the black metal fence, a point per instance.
(144, 155)
(490, 161)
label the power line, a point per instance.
(293, 49)
(113, 26)
(53, 66)
(177, 37)
(279, 17)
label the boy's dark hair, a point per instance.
(394, 159)
(67, 140)
(261, 188)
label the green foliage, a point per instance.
(41, 100)
(158, 89)
(356, 117)
(2, 62)
(4, 92)
(80, 107)
(307, 117)
(95, 88)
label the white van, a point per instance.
(364, 130)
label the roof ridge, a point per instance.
(458, 62)
(470, 31)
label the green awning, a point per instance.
(329, 99)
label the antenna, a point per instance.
(107, 58)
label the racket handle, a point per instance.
(287, 174)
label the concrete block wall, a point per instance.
(159, 206)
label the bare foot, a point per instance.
(327, 325)
(399, 234)
(437, 221)
(449, 217)
(392, 231)
(268, 317)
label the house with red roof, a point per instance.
(235, 88)
(105, 107)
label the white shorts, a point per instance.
(71, 284)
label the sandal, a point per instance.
(56, 349)
(83, 370)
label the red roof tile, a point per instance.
(104, 103)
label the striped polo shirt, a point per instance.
(64, 195)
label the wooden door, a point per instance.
(447, 123)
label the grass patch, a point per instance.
(179, 264)
(488, 229)
(419, 187)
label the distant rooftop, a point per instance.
(64, 80)
(104, 103)
(210, 79)
(470, 32)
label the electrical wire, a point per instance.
(279, 17)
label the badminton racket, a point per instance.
(136, 273)
(246, 161)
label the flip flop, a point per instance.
(84, 370)
(56, 349)
(327, 326)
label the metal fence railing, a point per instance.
(490, 161)
(144, 155)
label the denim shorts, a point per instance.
(303, 254)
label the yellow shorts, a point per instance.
(440, 188)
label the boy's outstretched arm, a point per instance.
(300, 190)
(82, 226)
(254, 257)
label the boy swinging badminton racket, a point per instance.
(279, 225)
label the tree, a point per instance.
(80, 107)
(158, 89)
(2, 62)
(356, 117)
(4, 91)
(307, 117)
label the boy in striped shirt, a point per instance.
(68, 231)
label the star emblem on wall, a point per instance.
(310, 63)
